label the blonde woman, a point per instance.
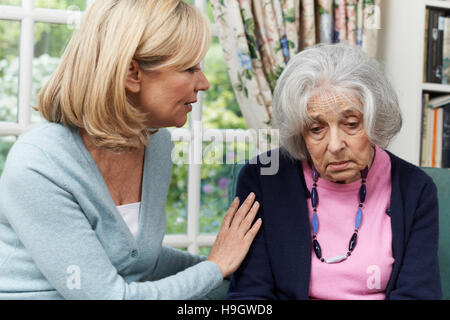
(82, 196)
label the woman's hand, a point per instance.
(236, 235)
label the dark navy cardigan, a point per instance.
(279, 261)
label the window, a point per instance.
(33, 34)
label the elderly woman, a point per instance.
(343, 218)
(83, 196)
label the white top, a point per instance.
(130, 214)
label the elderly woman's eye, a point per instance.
(315, 129)
(352, 125)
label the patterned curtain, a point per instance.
(258, 38)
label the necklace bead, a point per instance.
(362, 192)
(353, 241)
(315, 219)
(314, 197)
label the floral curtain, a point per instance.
(258, 38)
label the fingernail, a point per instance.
(251, 194)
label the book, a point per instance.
(446, 137)
(439, 101)
(428, 135)
(436, 23)
(425, 47)
(437, 138)
(424, 132)
(439, 48)
(432, 43)
(432, 132)
(446, 52)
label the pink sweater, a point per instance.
(365, 274)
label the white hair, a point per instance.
(342, 69)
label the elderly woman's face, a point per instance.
(336, 140)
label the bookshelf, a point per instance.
(436, 3)
(435, 87)
(401, 51)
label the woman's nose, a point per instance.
(336, 141)
(202, 82)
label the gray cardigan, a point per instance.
(61, 235)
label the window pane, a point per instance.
(208, 12)
(214, 196)
(220, 109)
(9, 69)
(10, 2)
(204, 251)
(218, 161)
(61, 4)
(5, 144)
(176, 206)
(50, 42)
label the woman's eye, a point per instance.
(193, 69)
(316, 129)
(352, 125)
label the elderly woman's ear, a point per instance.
(134, 78)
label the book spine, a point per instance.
(434, 139)
(423, 129)
(439, 123)
(439, 47)
(423, 145)
(446, 137)
(446, 53)
(425, 50)
(432, 44)
(429, 136)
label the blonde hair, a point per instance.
(88, 88)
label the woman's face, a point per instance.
(336, 140)
(166, 95)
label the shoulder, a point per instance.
(46, 135)
(42, 144)
(271, 172)
(34, 147)
(275, 163)
(30, 164)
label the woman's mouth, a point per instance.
(339, 165)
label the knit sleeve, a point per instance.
(253, 280)
(172, 261)
(60, 240)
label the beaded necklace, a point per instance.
(315, 219)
